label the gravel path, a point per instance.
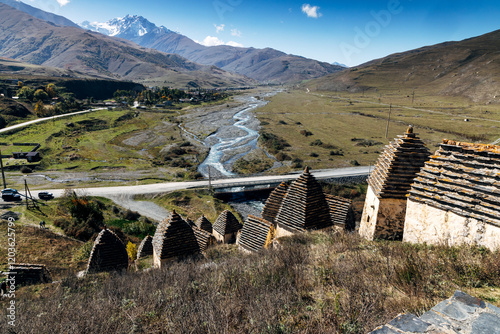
(145, 208)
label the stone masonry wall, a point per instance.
(382, 218)
(426, 223)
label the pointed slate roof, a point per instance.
(146, 247)
(339, 208)
(273, 202)
(204, 224)
(304, 206)
(463, 178)
(108, 253)
(398, 165)
(257, 233)
(203, 238)
(226, 223)
(189, 221)
(174, 238)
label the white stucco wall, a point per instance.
(425, 223)
(369, 216)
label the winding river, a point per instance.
(233, 141)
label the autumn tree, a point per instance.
(26, 93)
(41, 95)
(40, 109)
(51, 90)
(132, 251)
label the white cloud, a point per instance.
(311, 11)
(214, 41)
(235, 44)
(235, 32)
(62, 2)
(220, 28)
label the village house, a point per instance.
(304, 207)
(257, 234)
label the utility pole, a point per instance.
(209, 179)
(3, 174)
(388, 120)
(26, 192)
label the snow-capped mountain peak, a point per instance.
(127, 27)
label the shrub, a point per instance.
(337, 152)
(83, 252)
(273, 143)
(297, 163)
(317, 142)
(319, 282)
(26, 170)
(306, 133)
(314, 155)
(131, 215)
(131, 251)
(86, 216)
(280, 156)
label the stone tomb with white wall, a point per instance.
(385, 204)
(456, 197)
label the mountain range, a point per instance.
(469, 68)
(160, 51)
(132, 48)
(264, 65)
(26, 38)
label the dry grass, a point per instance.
(322, 282)
(336, 118)
(37, 246)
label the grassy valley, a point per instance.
(341, 129)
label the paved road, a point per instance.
(21, 125)
(158, 188)
(124, 195)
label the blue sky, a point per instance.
(349, 31)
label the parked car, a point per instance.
(45, 195)
(9, 195)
